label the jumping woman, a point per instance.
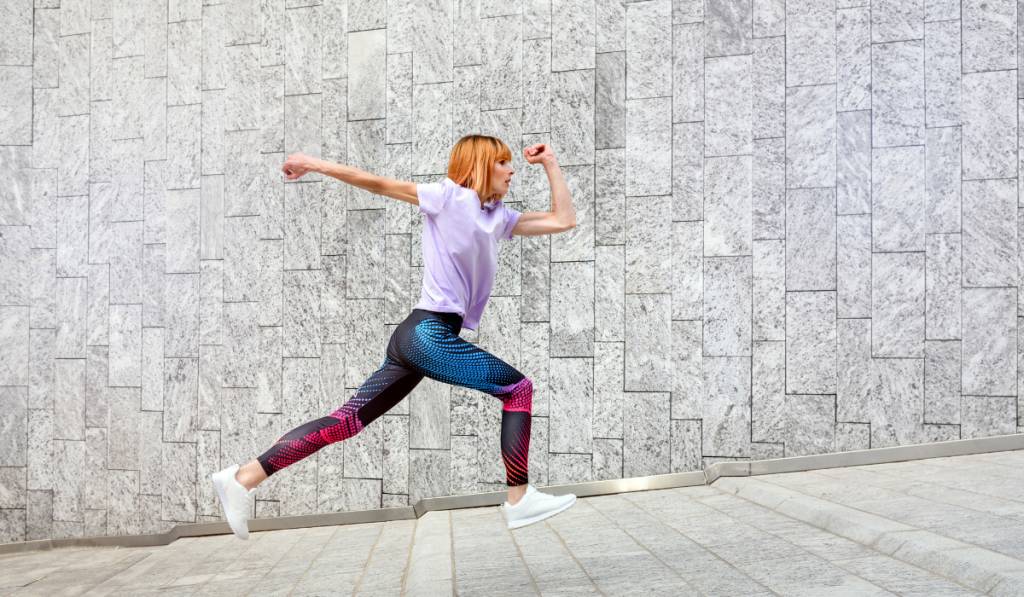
(465, 218)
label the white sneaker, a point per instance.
(535, 507)
(235, 499)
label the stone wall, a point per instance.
(797, 233)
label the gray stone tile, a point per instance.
(535, 343)
(211, 301)
(810, 425)
(645, 434)
(15, 265)
(69, 399)
(14, 422)
(73, 226)
(727, 307)
(897, 402)
(73, 168)
(153, 299)
(125, 355)
(853, 366)
(769, 87)
(242, 178)
(648, 249)
(942, 73)
(569, 468)
(852, 436)
(211, 380)
(607, 459)
(687, 176)
(14, 360)
(609, 200)
(853, 162)
(728, 120)
(39, 457)
(990, 36)
(897, 87)
(72, 308)
(648, 170)
(769, 18)
(502, 62)
(608, 383)
(989, 343)
(183, 231)
(898, 198)
(943, 286)
(40, 361)
(609, 291)
(578, 243)
(124, 512)
(853, 58)
(179, 482)
(181, 398)
(811, 342)
(687, 376)
(985, 416)
(768, 399)
(572, 382)
(769, 195)
(810, 239)
(572, 309)
(726, 410)
(302, 313)
(942, 180)
(989, 233)
(728, 200)
(69, 466)
(429, 416)
(686, 446)
(181, 334)
(897, 297)
(989, 110)
(688, 71)
(241, 345)
(429, 474)
(648, 46)
(854, 266)
(942, 370)
(729, 27)
(894, 21)
(811, 47)
(648, 342)
(125, 429)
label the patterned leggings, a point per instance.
(426, 344)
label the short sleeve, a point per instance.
(432, 197)
(511, 219)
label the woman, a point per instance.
(465, 218)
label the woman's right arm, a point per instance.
(298, 164)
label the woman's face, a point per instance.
(500, 175)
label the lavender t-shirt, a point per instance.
(460, 248)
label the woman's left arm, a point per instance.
(562, 216)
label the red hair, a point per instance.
(472, 161)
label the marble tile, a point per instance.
(302, 313)
(211, 382)
(43, 219)
(124, 512)
(853, 366)
(892, 20)
(852, 436)
(271, 289)
(687, 273)
(150, 435)
(39, 458)
(942, 73)
(181, 334)
(154, 188)
(768, 400)
(242, 179)
(73, 168)
(241, 345)
(648, 147)
(853, 252)
(645, 445)
(570, 468)
(648, 245)
(990, 35)
(207, 462)
(989, 233)
(429, 474)
(211, 301)
(811, 43)
(989, 111)
(69, 399)
(687, 179)
(769, 195)
(728, 199)
(125, 429)
(14, 423)
(725, 428)
(942, 369)
(39, 513)
(853, 59)
(429, 416)
(302, 226)
(179, 482)
(14, 336)
(181, 399)
(985, 416)
(898, 198)
(648, 48)
(69, 466)
(241, 259)
(366, 336)
(897, 402)
(396, 453)
(15, 265)
(687, 374)
(942, 180)
(607, 459)
(72, 309)
(811, 239)
(42, 282)
(648, 342)
(810, 425)
(769, 87)
(942, 286)
(398, 290)
(183, 230)
(687, 72)
(853, 162)
(154, 266)
(729, 27)
(728, 92)
(897, 90)
(811, 342)
(989, 342)
(572, 309)
(608, 383)
(73, 228)
(502, 61)
(572, 383)
(125, 355)
(769, 290)
(39, 362)
(727, 306)
(898, 297)
(609, 293)
(686, 446)
(97, 387)
(238, 427)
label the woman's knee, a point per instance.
(520, 397)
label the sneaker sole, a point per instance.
(224, 505)
(522, 523)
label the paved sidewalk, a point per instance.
(740, 537)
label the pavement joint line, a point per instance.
(917, 549)
(573, 556)
(519, 551)
(271, 568)
(408, 560)
(313, 561)
(654, 555)
(369, 559)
